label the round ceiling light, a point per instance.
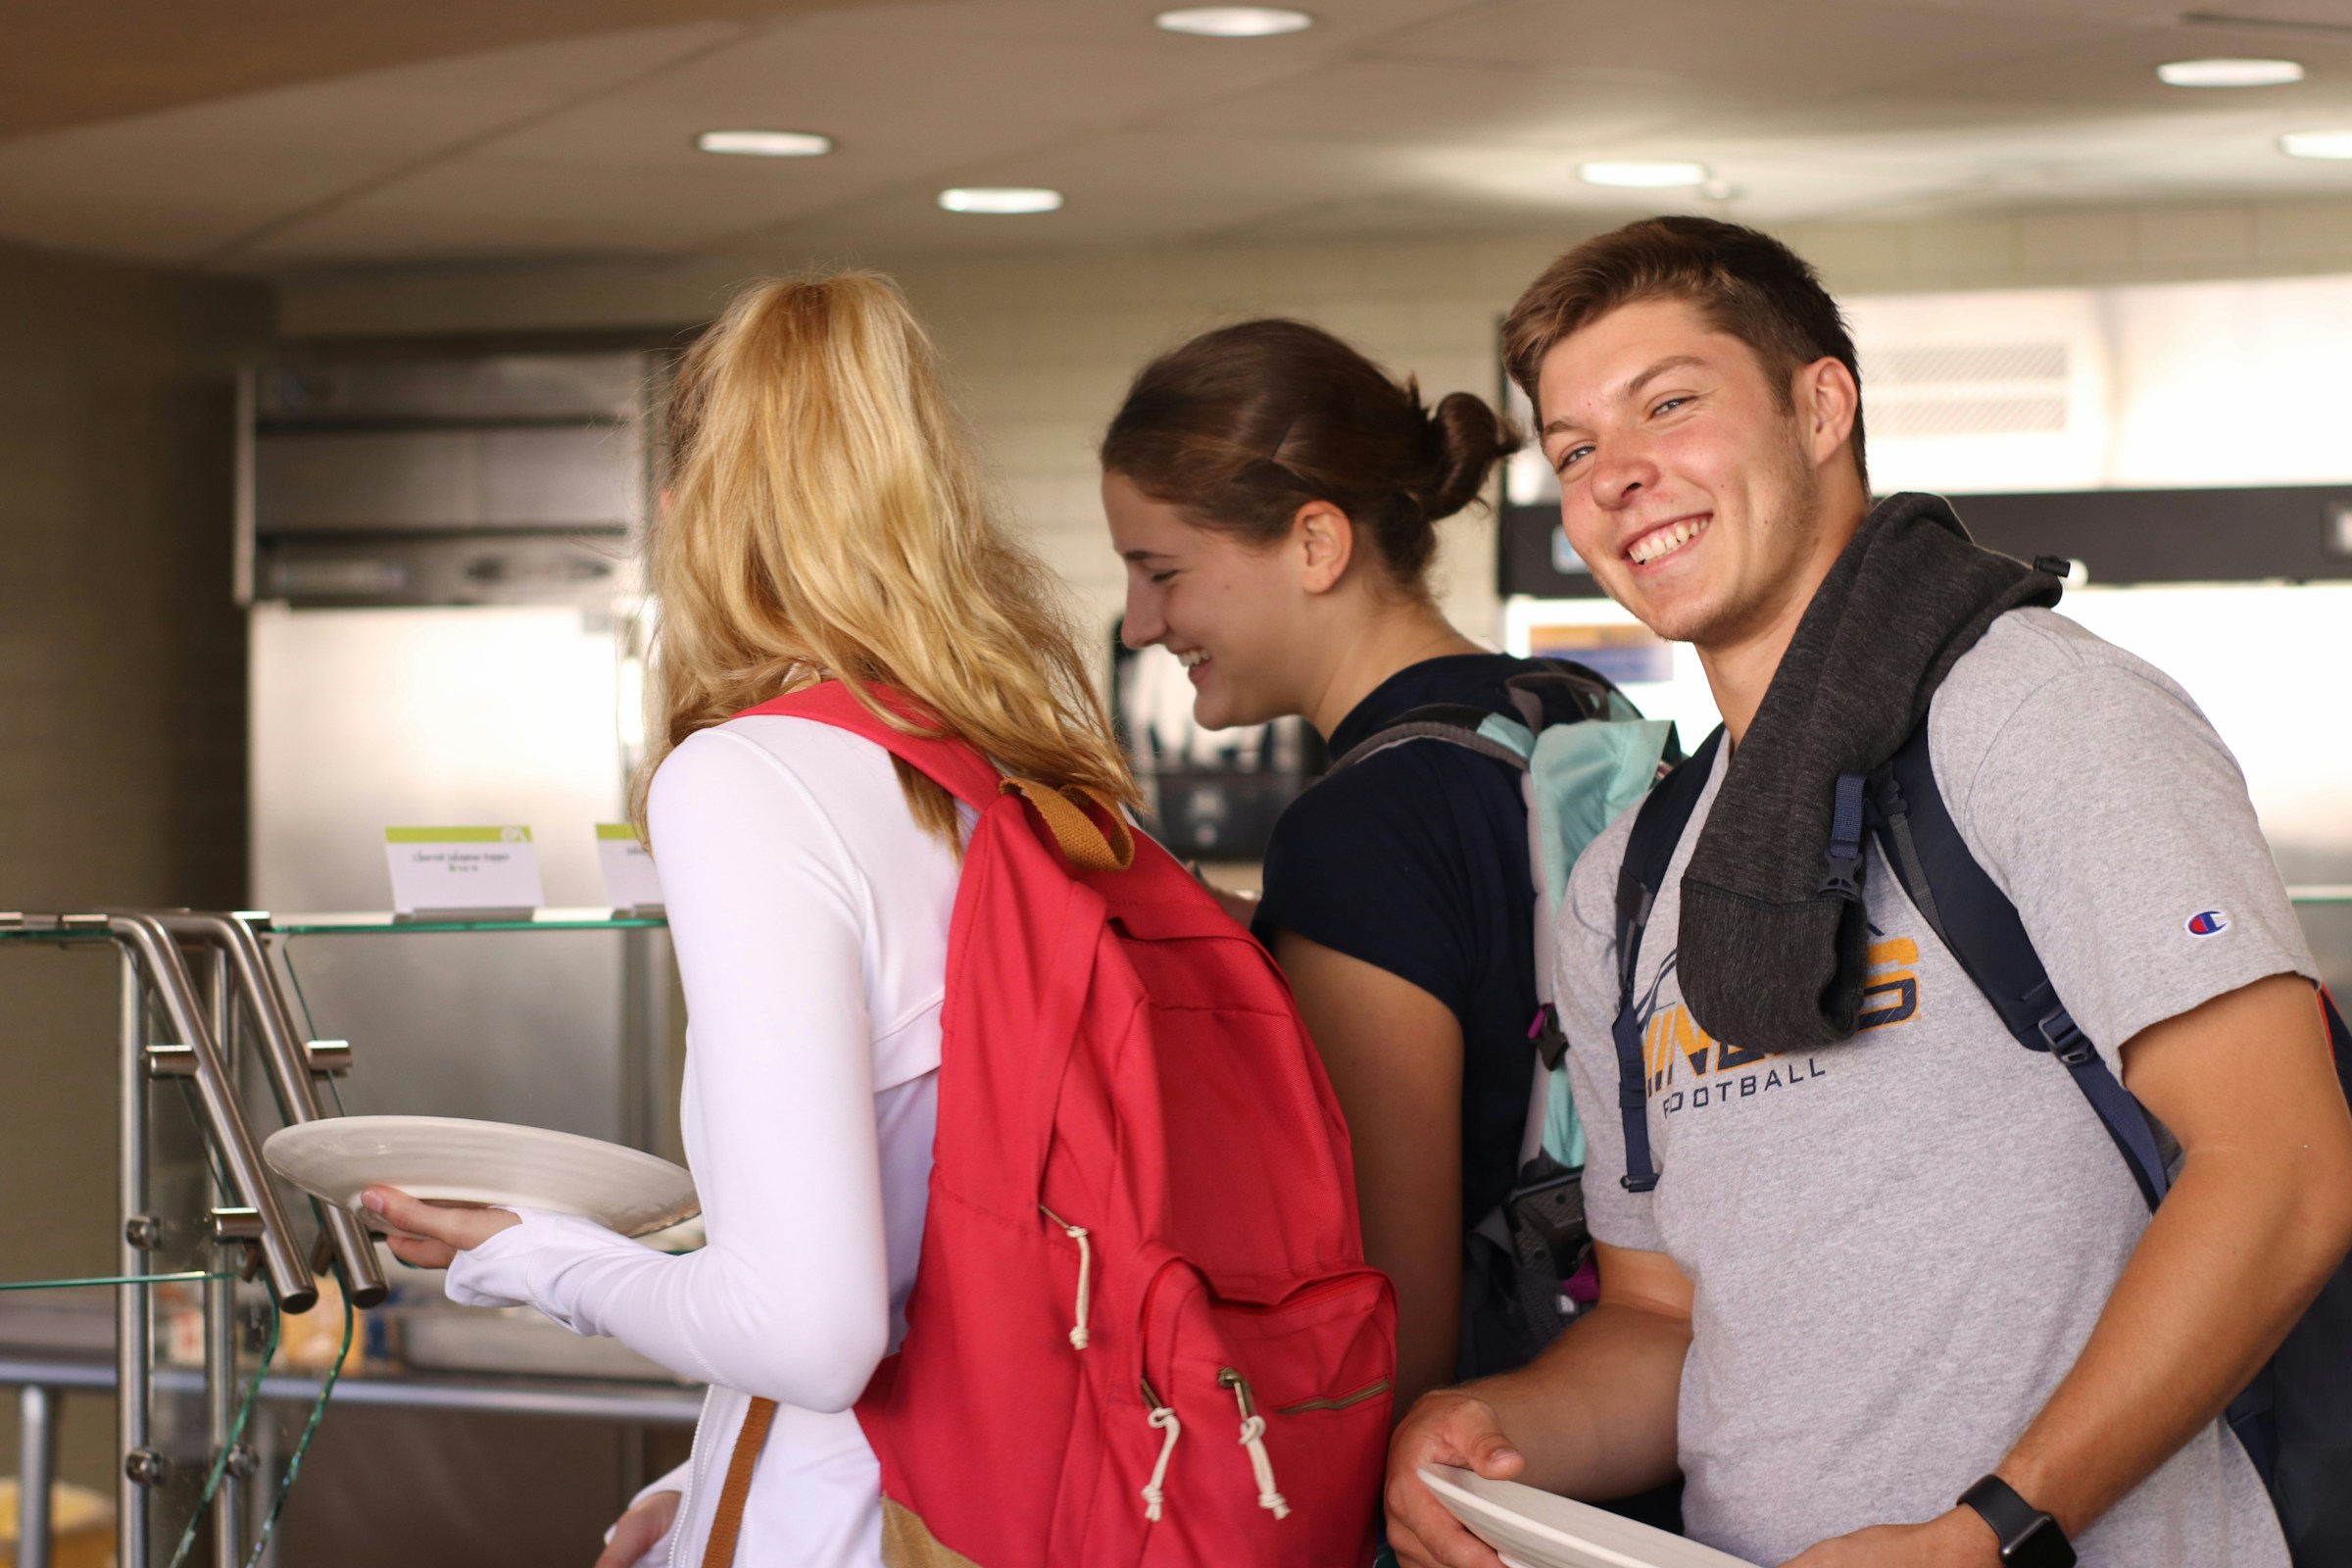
(2317, 144)
(1662, 173)
(2229, 72)
(1233, 21)
(1001, 199)
(765, 143)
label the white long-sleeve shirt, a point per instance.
(810, 916)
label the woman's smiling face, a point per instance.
(1231, 610)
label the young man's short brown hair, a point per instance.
(1745, 283)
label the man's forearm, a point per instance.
(1595, 1414)
(2229, 1262)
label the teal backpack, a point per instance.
(1525, 1273)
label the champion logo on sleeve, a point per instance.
(2208, 923)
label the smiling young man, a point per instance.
(1894, 1257)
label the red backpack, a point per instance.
(1142, 1328)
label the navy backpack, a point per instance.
(2295, 1418)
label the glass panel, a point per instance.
(548, 1024)
(362, 924)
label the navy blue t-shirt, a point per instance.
(1414, 860)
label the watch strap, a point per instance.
(2028, 1538)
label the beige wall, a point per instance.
(1043, 347)
(122, 704)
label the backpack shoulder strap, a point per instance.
(1090, 840)
(1473, 730)
(952, 765)
(1657, 828)
(1973, 918)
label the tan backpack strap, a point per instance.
(1083, 841)
(727, 1524)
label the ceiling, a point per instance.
(1389, 118)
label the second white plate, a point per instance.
(1533, 1528)
(453, 1160)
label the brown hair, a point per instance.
(1242, 426)
(826, 518)
(1748, 285)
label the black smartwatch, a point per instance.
(2030, 1538)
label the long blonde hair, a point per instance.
(825, 517)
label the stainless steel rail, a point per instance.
(589, 1398)
(167, 972)
(135, 1305)
(287, 1057)
(36, 1470)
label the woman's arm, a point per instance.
(790, 1298)
(1395, 1055)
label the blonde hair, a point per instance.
(825, 518)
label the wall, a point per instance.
(1044, 347)
(121, 702)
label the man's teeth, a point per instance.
(1194, 655)
(1650, 546)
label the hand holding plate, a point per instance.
(1448, 1427)
(431, 1235)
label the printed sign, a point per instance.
(1629, 655)
(630, 881)
(470, 870)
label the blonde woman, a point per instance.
(825, 520)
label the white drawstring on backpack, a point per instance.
(1086, 1263)
(1086, 1260)
(1253, 1433)
(1164, 1419)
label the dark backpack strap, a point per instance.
(1658, 826)
(1454, 723)
(1973, 919)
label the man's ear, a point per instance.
(1325, 541)
(1828, 400)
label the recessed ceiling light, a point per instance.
(1662, 173)
(2229, 72)
(999, 199)
(765, 143)
(1233, 21)
(2317, 144)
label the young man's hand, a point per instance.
(1447, 1427)
(1959, 1538)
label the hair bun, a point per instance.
(1465, 440)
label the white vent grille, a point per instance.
(1968, 389)
(1969, 416)
(1972, 362)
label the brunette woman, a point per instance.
(825, 518)
(1276, 497)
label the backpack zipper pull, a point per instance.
(1253, 1436)
(1085, 1259)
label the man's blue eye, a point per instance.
(1161, 576)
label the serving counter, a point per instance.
(217, 1262)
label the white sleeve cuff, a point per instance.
(515, 1267)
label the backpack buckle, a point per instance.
(2068, 1043)
(1841, 860)
(1551, 1040)
(1638, 1184)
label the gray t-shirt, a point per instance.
(1900, 1243)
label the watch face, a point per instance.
(2043, 1546)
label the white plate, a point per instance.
(450, 1160)
(1532, 1528)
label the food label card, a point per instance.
(468, 868)
(630, 881)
